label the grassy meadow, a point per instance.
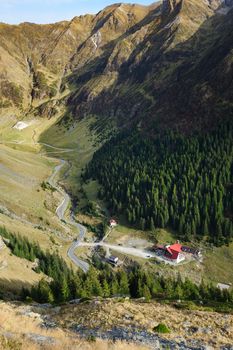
(25, 164)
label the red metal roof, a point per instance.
(169, 250)
(174, 250)
(176, 247)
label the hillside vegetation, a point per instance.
(22, 327)
(101, 281)
(184, 183)
(168, 63)
(149, 89)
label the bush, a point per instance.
(91, 338)
(10, 90)
(28, 300)
(161, 328)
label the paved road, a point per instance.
(71, 251)
(60, 211)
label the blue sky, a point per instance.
(48, 11)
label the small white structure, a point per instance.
(21, 125)
(112, 223)
(113, 259)
(223, 286)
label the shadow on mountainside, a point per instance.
(12, 287)
(187, 86)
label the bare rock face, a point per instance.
(169, 5)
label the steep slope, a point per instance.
(168, 63)
(33, 57)
(173, 74)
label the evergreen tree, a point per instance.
(123, 284)
(146, 293)
(184, 183)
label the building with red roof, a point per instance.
(174, 252)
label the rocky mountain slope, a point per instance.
(112, 324)
(170, 62)
(31, 327)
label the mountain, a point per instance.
(172, 76)
(169, 64)
(34, 58)
(136, 70)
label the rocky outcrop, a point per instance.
(169, 5)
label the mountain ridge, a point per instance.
(123, 63)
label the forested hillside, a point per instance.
(101, 280)
(185, 183)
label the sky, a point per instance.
(49, 11)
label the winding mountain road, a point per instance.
(60, 211)
(63, 206)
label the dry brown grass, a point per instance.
(86, 219)
(18, 322)
(113, 313)
(16, 272)
(16, 326)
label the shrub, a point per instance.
(91, 338)
(161, 328)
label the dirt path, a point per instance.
(136, 252)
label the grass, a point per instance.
(91, 190)
(83, 253)
(112, 313)
(77, 138)
(21, 328)
(20, 184)
(23, 170)
(218, 264)
(121, 233)
(82, 141)
(21, 176)
(164, 236)
(16, 272)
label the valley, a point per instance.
(116, 179)
(46, 199)
(63, 161)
